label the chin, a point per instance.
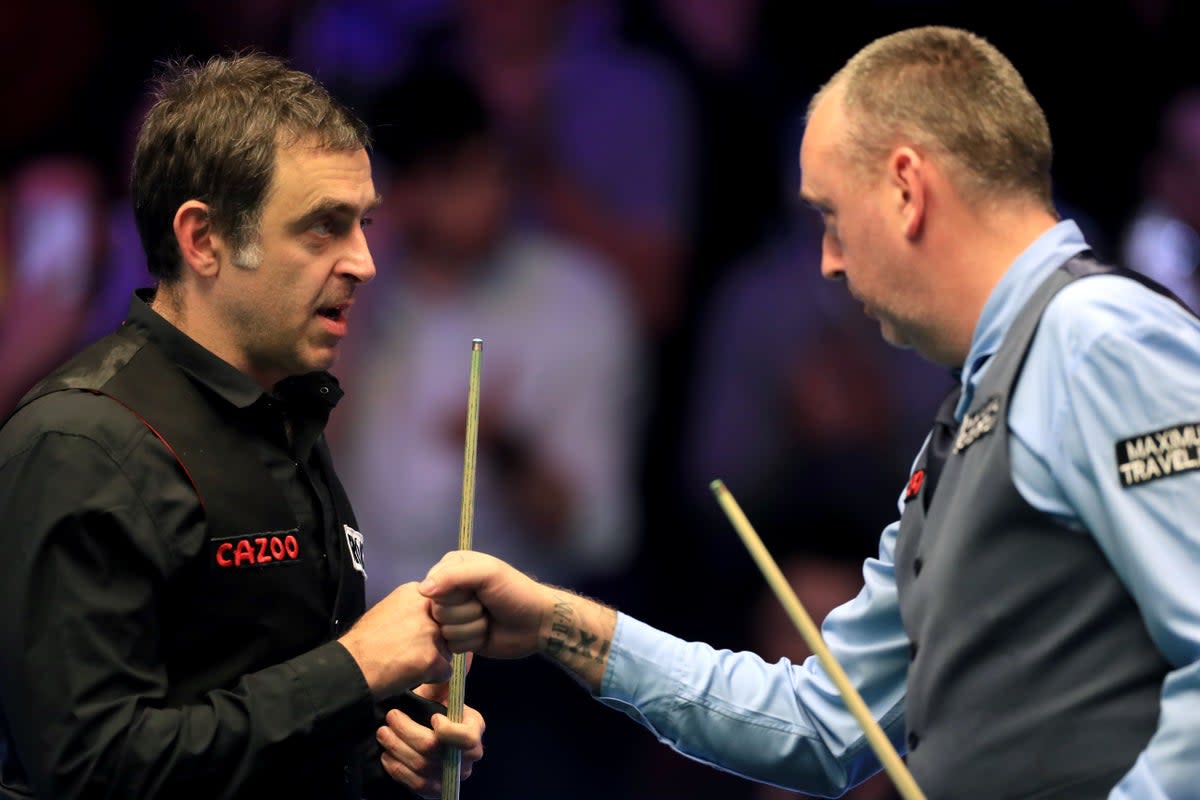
(894, 336)
(313, 362)
(321, 364)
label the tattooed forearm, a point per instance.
(568, 638)
(577, 634)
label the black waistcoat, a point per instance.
(221, 617)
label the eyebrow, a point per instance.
(329, 206)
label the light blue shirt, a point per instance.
(1110, 361)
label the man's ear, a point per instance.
(907, 173)
(198, 244)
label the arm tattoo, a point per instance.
(568, 643)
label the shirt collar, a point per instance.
(1047, 253)
(319, 389)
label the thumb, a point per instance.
(439, 692)
(456, 577)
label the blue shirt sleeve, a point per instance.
(780, 723)
(1113, 361)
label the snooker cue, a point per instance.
(879, 742)
(452, 757)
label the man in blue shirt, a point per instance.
(1031, 625)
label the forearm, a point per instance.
(91, 705)
(576, 633)
(777, 723)
(277, 722)
(780, 723)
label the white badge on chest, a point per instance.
(354, 543)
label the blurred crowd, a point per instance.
(604, 192)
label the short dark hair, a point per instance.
(427, 116)
(212, 135)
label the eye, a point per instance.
(322, 228)
(366, 222)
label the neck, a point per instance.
(172, 303)
(976, 251)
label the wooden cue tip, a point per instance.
(477, 344)
(716, 484)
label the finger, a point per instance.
(464, 638)
(409, 740)
(450, 596)
(398, 749)
(427, 787)
(447, 612)
(440, 670)
(467, 735)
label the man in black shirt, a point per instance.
(181, 592)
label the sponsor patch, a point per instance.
(975, 426)
(915, 482)
(354, 543)
(267, 549)
(1158, 454)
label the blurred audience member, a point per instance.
(361, 45)
(55, 245)
(740, 103)
(737, 101)
(599, 136)
(560, 369)
(800, 408)
(1163, 238)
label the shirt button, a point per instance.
(912, 650)
(913, 741)
(917, 564)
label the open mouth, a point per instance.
(335, 313)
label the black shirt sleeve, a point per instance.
(82, 682)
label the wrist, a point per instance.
(372, 670)
(576, 633)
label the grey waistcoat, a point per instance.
(1032, 674)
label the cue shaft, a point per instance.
(879, 742)
(452, 758)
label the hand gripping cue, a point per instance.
(879, 742)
